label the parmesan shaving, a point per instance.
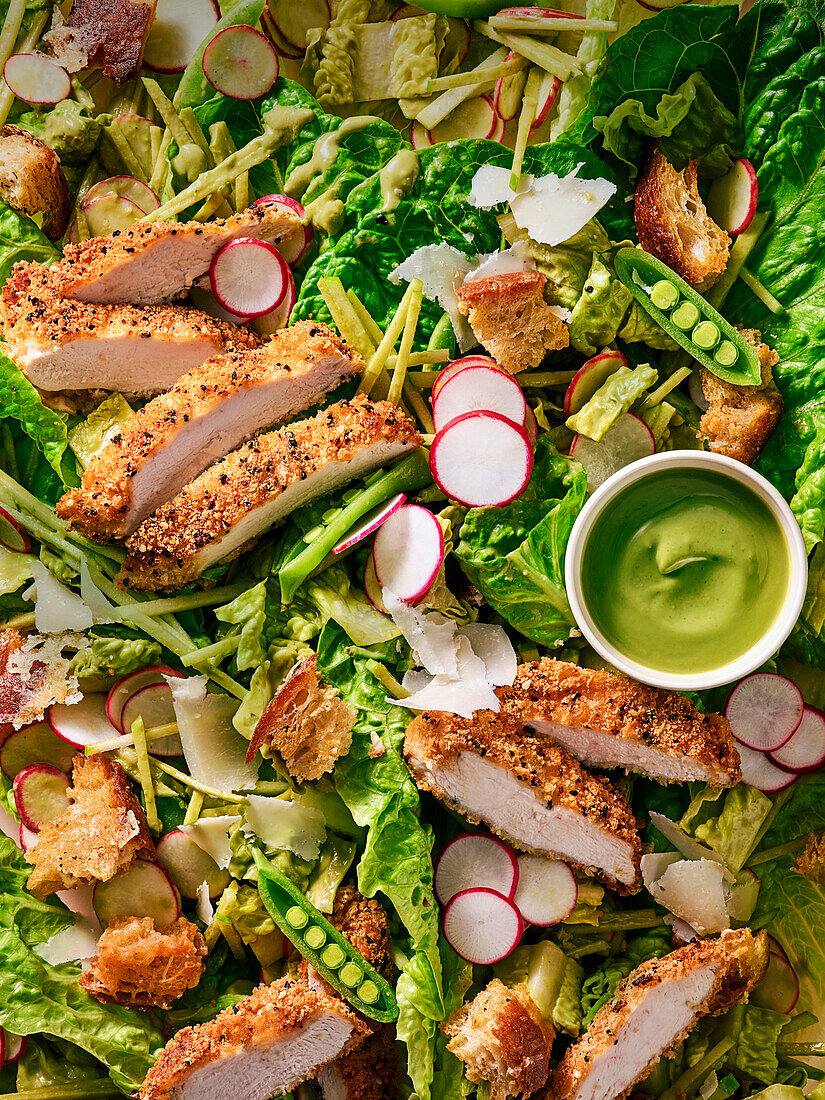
(694, 890)
(441, 269)
(56, 607)
(102, 610)
(215, 752)
(507, 262)
(281, 824)
(77, 943)
(211, 834)
(204, 907)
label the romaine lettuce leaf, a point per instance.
(35, 461)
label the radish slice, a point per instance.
(482, 926)
(28, 837)
(473, 860)
(481, 459)
(531, 426)
(178, 29)
(189, 866)
(12, 535)
(474, 118)
(509, 91)
(479, 388)
(294, 20)
(732, 198)
(548, 94)
(628, 440)
(81, 723)
(294, 247)
(372, 589)
(249, 277)
(145, 890)
(759, 771)
(764, 711)
(35, 79)
(15, 1046)
(278, 318)
(421, 137)
(240, 62)
(590, 377)
(498, 130)
(125, 187)
(34, 744)
(547, 890)
(40, 794)
(539, 13)
(408, 552)
(370, 523)
(279, 43)
(153, 704)
(458, 365)
(111, 214)
(129, 685)
(805, 751)
(779, 989)
(776, 948)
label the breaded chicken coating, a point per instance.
(102, 832)
(34, 674)
(306, 723)
(140, 965)
(607, 720)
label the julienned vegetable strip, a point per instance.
(463, 80)
(11, 28)
(549, 24)
(124, 740)
(742, 248)
(547, 57)
(761, 291)
(174, 604)
(410, 325)
(145, 773)
(387, 680)
(529, 108)
(387, 343)
(193, 810)
(194, 784)
(26, 45)
(69, 1090)
(695, 1073)
(437, 109)
(346, 319)
(660, 393)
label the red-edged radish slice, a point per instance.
(294, 247)
(758, 770)
(508, 92)
(764, 711)
(776, 948)
(128, 685)
(548, 94)
(111, 214)
(626, 441)
(482, 459)
(124, 187)
(482, 926)
(145, 890)
(473, 860)
(249, 277)
(590, 377)
(531, 426)
(12, 535)
(278, 318)
(457, 42)
(294, 21)
(28, 837)
(477, 388)
(370, 523)
(240, 62)
(547, 890)
(35, 79)
(15, 1046)
(2, 1047)
(805, 750)
(178, 29)
(732, 198)
(458, 365)
(82, 723)
(474, 118)
(406, 11)
(189, 866)
(539, 13)
(372, 589)
(40, 793)
(34, 744)
(280, 44)
(203, 299)
(408, 552)
(779, 989)
(421, 137)
(498, 130)
(153, 704)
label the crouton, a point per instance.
(740, 419)
(31, 180)
(111, 33)
(33, 675)
(501, 1038)
(673, 224)
(101, 834)
(510, 317)
(138, 964)
(811, 862)
(306, 723)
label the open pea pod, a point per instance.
(322, 945)
(685, 316)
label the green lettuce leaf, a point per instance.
(20, 239)
(729, 821)
(35, 461)
(112, 652)
(600, 986)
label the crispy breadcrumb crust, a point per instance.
(111, 33)
(811, 862)
(32, 181)
(100, 505)
(306, 723)
(140, 965)
(102, 832)
(370, 1072)
(267, 1015)
(164, 551)
(673, 224)
(740, 420)
(33, 675)
(547, 771)
(501, 1037)
(742, 959)
(509, 316)
(556, 691)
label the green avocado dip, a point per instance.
(685, 570)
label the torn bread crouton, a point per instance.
(510, 317)
(138, 964)
(32, 181)
(111, 33)
(673, 224)
(501, 1038)
(34, 674)
(102, 832)
(740, 420)
(306, 722)
(811, 861)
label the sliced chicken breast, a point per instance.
(156, 262)
(653, 1010)
(262, 1047)
(258, 485)
(610, 721)
(526, 789)
(61, 344)
(209, 412)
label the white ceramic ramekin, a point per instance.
(770, 642)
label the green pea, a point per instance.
(313, 534)
(315, 937)
(664, 295)
(706, 335)
(368, 992)
(296, 917)
(683, 317)
(726, 354)
(333, 956)
(351, 975)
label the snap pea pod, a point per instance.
(323, 946)
(688, 318)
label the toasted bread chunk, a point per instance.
(501, 1038)
(138, 964)
(111, 33)
(811, 862)
(306, 722)
(674, 226)
(33, 675)
(741, 419)
(510, 317)
(101, 834)
(31, 180)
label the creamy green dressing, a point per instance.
(324, 152)
(685, 570)
(397, 178)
